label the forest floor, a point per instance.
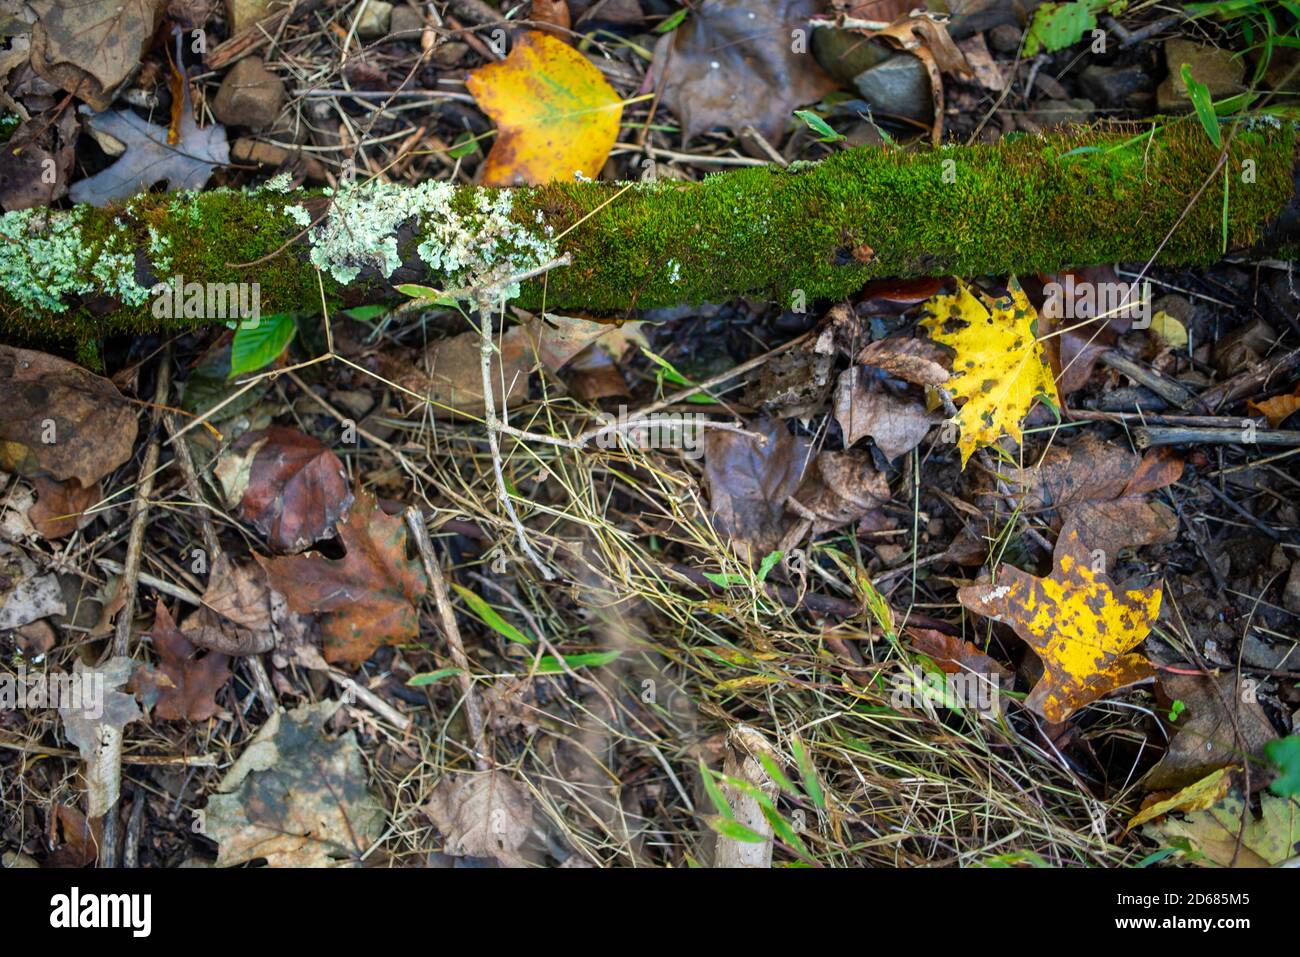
(789, 607)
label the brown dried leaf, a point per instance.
(916, 360)
(366, 599)
(864, 407)
(732, 64)
(954, 655)
(56, 416)
(91, 47)
(482, 815)
(236, 615)
(184, 687)
(60, 507)
(297, 489)
(1205, 736)
(450, 375)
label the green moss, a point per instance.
(1030, 204)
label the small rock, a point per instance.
(407, 23)
(1114, 85)
(1050, 113)
(250, 95)
(447, 55)
(844, 54)
(1005, 38)
(1217, 69)
(375, 20)
(242, 14)
(899, 86)
(248, 150)
(1281, 74)
(1291, 592)
(1257, 654)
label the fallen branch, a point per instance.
(813, 231)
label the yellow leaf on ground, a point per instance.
(1000, 366)
(1202, 795)
(1278, 408)
(1228, 834)
(556, 116)
(1076, 622)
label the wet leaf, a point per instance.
(295, 797)
(366, 599)
(297, 490)
(749, 481)
(733, 64)
(1000, 367)
(1077, 622)
(185, 685)
(914, 360)
(556, 115)
(954, 655)
(42, 145)
(56, 416)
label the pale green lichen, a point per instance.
(160, 251)
(464, 246)
(44, 257)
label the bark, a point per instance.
(814, 231)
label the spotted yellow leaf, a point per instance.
(999, 367)
(556, 116)
(1077, 622)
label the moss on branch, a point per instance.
(1032, 203)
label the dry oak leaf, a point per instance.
(297, 488)
(556, 115)
(366, 599)
(236, 615)
(863, 406)
(187, 691)
(1000, 367)
(57, 417)
(1075, 621)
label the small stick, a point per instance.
(1145, 438)
(1250, 382)
(1175, 393)
(450, 632)
(371, 701)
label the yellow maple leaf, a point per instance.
(1077, 622)
(1000, 366)
(556, 116)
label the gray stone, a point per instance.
(406, 23)
(844, 54)
(375, 20)
(1004, 38)
(1291, 593)
(1216, 68)
(899, 86)
(1114, 85)
(1257, 654)
(250, 95)
(1049, 113)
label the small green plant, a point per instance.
(258, 344)
(1176, 709)
(825, 132)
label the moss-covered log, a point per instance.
(1033, 203)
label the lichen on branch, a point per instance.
(813, 231)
